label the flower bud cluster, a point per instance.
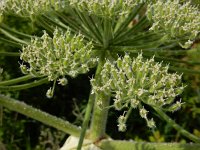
(106, 8)
(56, 57)
(27, 8)
(135, 82)
(175, 20)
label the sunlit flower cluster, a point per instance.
(175, 20)
(106, 8)
(135, 82)
(28, 8)
(56, 57)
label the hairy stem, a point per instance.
(39, 115)
(99, 118)
(90, 105)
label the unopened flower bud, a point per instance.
(62, 81)
(151, 123)
(24, 69)
(49, 93)
(122, 127)
(143, 113)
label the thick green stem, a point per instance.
(90, 105)
(99, 118)
(131, 145)
(39, 115)
(176, 126)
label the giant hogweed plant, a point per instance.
(126, 41)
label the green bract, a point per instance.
(56, 57)
(175, 20)
(105, 8)
(134, 82)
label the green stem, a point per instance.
(15, 54)
(86, 121)
(16, 80)
(90, 105)
(13, 37)
(176, 126)
(24, 86)
(88, 25)
(39, 115)
(126, 22)
(16, 32)
(11, 43)
(132, 145)
(106, 33)
(99, 116)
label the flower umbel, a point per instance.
(57, 57)
(135, 82)
(175, 20)
(28, 8)
(105, 8)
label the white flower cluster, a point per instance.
(134, 82)
(56, 57)
(28, 8)
(105, 8)
(175, 20)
